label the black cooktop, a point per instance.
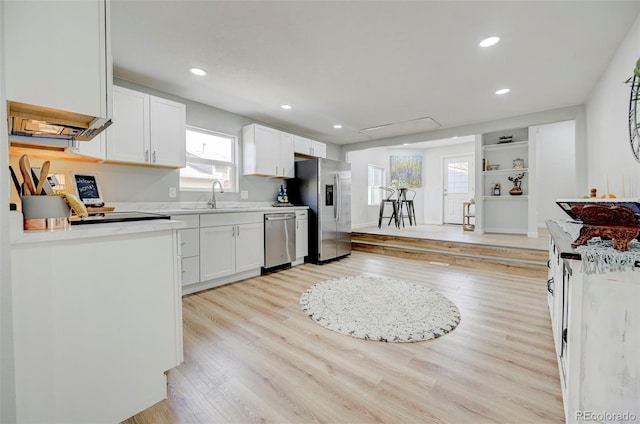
(106, 217)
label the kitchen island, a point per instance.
(97, 319)
(596, 329)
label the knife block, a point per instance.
(45, 213)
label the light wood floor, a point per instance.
(251, 355)
(456, 234)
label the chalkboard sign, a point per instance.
(88, 189)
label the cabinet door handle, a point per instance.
(549, 282)
(233, 231)
(146, 155)
(549, 263)
(238, 231)
(154, 156)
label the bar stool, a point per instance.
(388, 192)
(405, 202)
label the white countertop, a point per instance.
(187, 208)
(77, 232)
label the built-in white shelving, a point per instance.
(505, 146)
(505, 197)
(506, 171)
(505, 213)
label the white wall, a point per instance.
(361, 213)
(609, 152)
(428, 200)
(7, 383)
(555, 159)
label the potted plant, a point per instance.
(517, 180)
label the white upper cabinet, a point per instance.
(267, 152)
(168, 126)
(307, 147)
(56, 54)
(128, 136)
(286, 160)
(146, 130)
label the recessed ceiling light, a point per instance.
(454, 137)
(405, 144)
(488, 42)
(337, 126)
(199, 72)
(503, 91)
(286, 107)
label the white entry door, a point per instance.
(457, 187)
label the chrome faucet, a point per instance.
(212, 202)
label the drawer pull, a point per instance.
(549, 282)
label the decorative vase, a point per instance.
(516, 190)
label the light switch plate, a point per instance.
(172, 192)
(244, 194)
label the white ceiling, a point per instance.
(364, 63)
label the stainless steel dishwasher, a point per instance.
(279, 239)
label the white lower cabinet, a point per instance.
(302, 235)
(218, 246)
(231, 248)
(189, 249)
(223, 247)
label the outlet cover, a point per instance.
(244, 194)
(172, 192)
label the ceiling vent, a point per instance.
(412, 126)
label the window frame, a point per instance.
(370, 187)
(234, 163)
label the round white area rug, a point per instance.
(378, 308)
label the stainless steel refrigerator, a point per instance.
(325, 186)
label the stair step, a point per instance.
(473, 255)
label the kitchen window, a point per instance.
(210, 156)
(375, 179)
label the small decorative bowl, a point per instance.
(518, 163)
(493, 167)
